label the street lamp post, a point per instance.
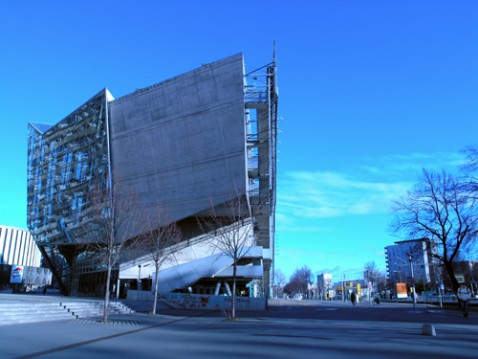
(413, 281)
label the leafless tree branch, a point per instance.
(440, 207)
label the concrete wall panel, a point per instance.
(180, 144)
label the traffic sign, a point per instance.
(463, 292)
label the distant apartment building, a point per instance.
(416, 253)
(324, 284)
(17, 247)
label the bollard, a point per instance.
(429, 329)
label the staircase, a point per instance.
(17, 309)
(28, 312)
(93, 308)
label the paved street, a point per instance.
(288, 330)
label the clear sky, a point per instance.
(370, 93)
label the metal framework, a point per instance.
(261, 102)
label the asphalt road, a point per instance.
(287, 330)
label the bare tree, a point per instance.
(232, 228)
(470, 169)
(471, 160)
(160, 244)
(440, 207)
(381, 281)
(371, 271)
(299, 281)
(375, 275)
(107, 231)
(279, 281)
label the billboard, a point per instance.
(30, 275)
(16, 275)
(402, 290)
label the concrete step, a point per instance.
(94, 309)
(36, 319)
(29, 310)
(16, 314)
(41, 313)
(22, 308)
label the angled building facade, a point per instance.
(188, 145)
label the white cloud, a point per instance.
(367, 189)
(329, 194)
(410, 165)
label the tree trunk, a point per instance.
(155, 289)
(451, 274)
(107, 293)
(233, 312)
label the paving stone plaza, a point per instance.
(288, 329)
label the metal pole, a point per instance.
(343, 288)
(471, 264)
(438, 285)
(413, 282)
(368, 289)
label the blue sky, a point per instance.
(370, 93)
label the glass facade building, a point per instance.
(186, 144)
(64, 162)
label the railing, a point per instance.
(256, 96)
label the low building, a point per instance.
(17, 248)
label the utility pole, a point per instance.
(343, 288)
(413, 281)
(368, 289)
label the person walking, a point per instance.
(352, 298)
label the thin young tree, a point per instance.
(160, 243)
(440, 207)
(232, 226)
(107, 231)
(280, 281)
(372, 274)
(371, 271)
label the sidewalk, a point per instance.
(289, 329)
(287, 336)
